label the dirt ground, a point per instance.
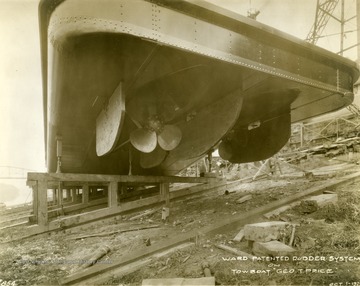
(332, 234)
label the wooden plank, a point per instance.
(14, 219)
(75, 207)
(141, 203)
(78, 219)
(94, 215)
(15, 225)
(224, 223)
(234, 221)
(146, 213)
(52, 205)
(74, 220)
(69, 177)
(102, 234)
(76, 184)
(132, 267)
(197, 189)
(97, 214)
(126, 259)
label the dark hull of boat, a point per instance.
(222, 79)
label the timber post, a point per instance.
(68, 192)
(56, 201)
(165, 196)
(60, 194)
(42, 212)
(73, 195)
(113, 194)
(45, 216)
(35, 201)
(54, 196)
(85, 193)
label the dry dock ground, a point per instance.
(326, 239)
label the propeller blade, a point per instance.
(170, 137)
(153, 159)
(143, 140)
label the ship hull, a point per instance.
(223, 80)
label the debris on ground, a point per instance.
(325, 238)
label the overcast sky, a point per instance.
(21, 119)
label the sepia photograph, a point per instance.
(180, 142)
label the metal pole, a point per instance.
(342, 27)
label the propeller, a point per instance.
(170, 137)
(143, 139)
(153, 159)
(156, 108)
(153, 132)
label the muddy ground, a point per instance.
(330, 235)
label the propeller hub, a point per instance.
(155, 123)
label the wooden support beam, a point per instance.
(165, 194)
(53, 212)
(68, 194)
(117, 178)
(60, 194)
(113, 195)
(35, 201)
(220, 185)
(85, 193)
(73, 195)
(42, 214)
(54, 196)
(70, 221)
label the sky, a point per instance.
(20, 86)
(21, 118)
